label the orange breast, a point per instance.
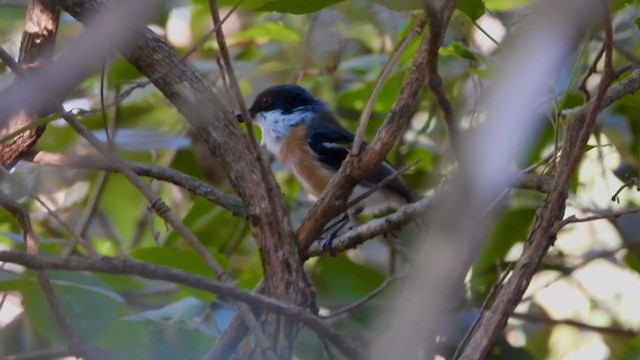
(298, 157)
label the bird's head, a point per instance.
(279, 109)
(283, 103)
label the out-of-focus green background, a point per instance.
(336, 49)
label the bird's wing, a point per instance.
(331, 144)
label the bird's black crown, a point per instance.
(285, 98)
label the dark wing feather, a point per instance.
(331, 144)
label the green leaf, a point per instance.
(510, 229)
(244, 4)
(212, 225)
(296, 6)
(129, 339)
(506, 5)
(182, 311)
(473, 8)
(265, 33)
(338, 279)
(186, 260)
(571, 100)
(400, 5)
(90, 309)
(457, 49)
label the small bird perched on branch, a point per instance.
(302, 132)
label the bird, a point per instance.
(301, 132)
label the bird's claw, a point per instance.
(328, 242)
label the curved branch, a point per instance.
(187, 182)
(148, 271)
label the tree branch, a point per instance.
(76, 345)
(333, 200)
(212, 119)
(155, 272)
(36, 49)
(384, 74)
(161, 173)
(542, 235)
(437, 29)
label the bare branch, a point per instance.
(382, 78)
(76, 237)
(161, 173)
(42, 91)
(610, 330)
(385, 284)
(36, 48)
(333, 199)
(543, 235)
(76, 345)
(373, 228)
(216, 124)
(148, 271)
(437, 28)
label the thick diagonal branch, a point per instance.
(36, 48)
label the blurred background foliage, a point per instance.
(585, 304)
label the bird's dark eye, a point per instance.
(266, 101)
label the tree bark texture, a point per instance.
(284, 276)
(36, 48)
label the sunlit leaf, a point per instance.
(506, 5)
(458, 50)
(473, 8)
(295, 6)
(263, 33)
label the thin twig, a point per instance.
(8, 60)
(77, 237)
(486, 33)
(542, 235)
(156, 272)
(436, 34)
(379, 84)
(157, 172)
(267, 182)
(485, 307)
(611, 216)
(385, 284)
(334, 197)
(592, 69)
(228, 66)
(127, 92)
(633, 181)
(610, 330)
(76, 345)
(163, 211)
(381, 184)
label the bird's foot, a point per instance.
(328, 242)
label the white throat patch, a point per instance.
(275, 126)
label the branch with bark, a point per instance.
(148, 271)
(195, 99)
(355, 168)
(157, 172)
(545, 227)
(36, 49)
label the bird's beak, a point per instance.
(239, 116)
